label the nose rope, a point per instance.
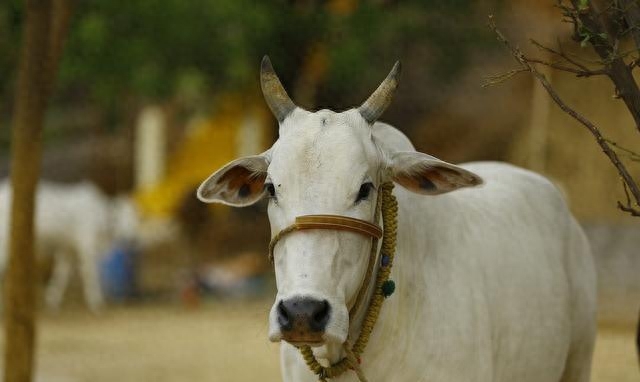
(331, 222)
(389, 209)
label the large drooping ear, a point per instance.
(424, 174)
(239, 183)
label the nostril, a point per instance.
(320, 316)
(303, 314)
(284, 319)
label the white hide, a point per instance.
(493, 283)
(72, 221)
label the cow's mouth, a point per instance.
(300, 338)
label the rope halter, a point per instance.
(388, 206)
(332, 222)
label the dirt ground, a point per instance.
(215, 342)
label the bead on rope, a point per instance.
(384, 261)
(387, 288)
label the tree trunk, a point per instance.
(41, 48)
(617, 70)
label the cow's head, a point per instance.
(323, 163)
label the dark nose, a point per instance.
(303, 314)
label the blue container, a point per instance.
(118, 273)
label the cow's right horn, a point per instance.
(275, 95)
(375, 105)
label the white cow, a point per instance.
(493, 283)
(72, 220)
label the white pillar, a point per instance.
(150, 147)
(249, 138)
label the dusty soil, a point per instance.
(215, 342)
(615, 356)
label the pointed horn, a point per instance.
(375, 105)
(275, 95)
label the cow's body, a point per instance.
(494, 283)
(71, 220)
(494, 277)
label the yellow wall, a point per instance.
(207, 145)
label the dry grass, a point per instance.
(217, 342)
(615, 357)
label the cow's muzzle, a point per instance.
(302, 320)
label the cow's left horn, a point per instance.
(375, 105)
(275, 95)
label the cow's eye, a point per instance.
(270, 190)
(364, 192)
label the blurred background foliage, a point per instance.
(123, 54)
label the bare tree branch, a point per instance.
(561, 54)
(627, 206)
(602, 142)
(564, 68)
(501, 77)
(630, 10)
(634, 156)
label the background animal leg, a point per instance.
(57, 286)
(91, 285)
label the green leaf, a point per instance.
(583, 5)
(585, 41)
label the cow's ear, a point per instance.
(424, 174)
(239, 183)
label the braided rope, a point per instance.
(389, 209)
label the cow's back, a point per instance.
(68, 215)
